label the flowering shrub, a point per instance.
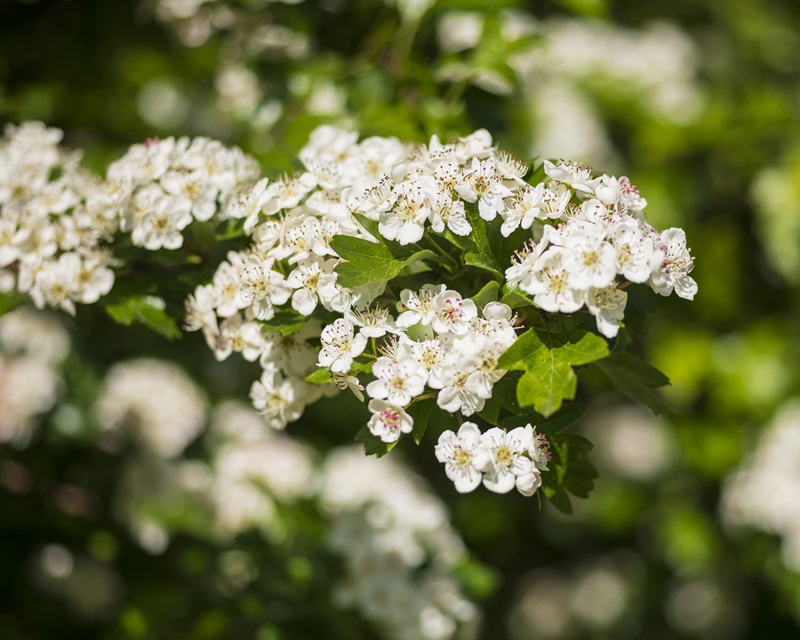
(434, 278)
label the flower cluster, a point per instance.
(577, 262)
(586, 235)
(160, 187)
(502, 460)
(52, 222)
(155, 402)
(398, 547)
(32, 348)
(394, 536)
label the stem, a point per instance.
(443, 253)
(420, 398)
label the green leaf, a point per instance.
(558, 497)
(320, 376)
(487, 294)
(588, 8)
(285, 321)
(547, 359)
(515, 298)
(371, 226)
(568, 470)
(636, 379)
(420, 412)
(491, 410)
(369, 262)
(373, 445)
(480, 255)
(10, 301)
(147, 310)
(565, 417)
(490, 250)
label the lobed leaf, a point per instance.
(547, 358)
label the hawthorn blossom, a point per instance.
(340, 345)
(481, 184)
(396, 381)
(388, 420)
(509, 465)
(465, 455)
(607, 305)
(549, 282)
(671, 263)
(452, 313)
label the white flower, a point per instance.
(94, 279)
(608, 307)
(446, 212)
(374, 323)
(397, 381)
(263, 288)
(634, 247)
(454, 394)
(549, 283)
(539, 450)
(405, 222)
(388, 421)
(629, 195)
(431, 356)
(464, 455)
(452, 313)
(161, 225)
(509, 466)
(671, 263)
(340, 346)
(305, 280)
(344, 381)
(56, 283)
(481, 183)
(523, 265)
(200, 313)
(278, 398)
(575, 175)
(418, 307)
(592, 261)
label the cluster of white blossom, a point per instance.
(32, 347)
(155, 402)
(393, 534)
(501, 459)
(578, 262)
(399, 549)
(52, 223)
(253, 468)
(762, 493)
(585, 233)
(159, 188)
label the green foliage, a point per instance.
(10, 301)
(285, 321)
(569, 472)
(547, 359)
(147, 310)
(420, 412)
(370, 262)
(636, 379)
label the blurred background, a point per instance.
(141, 498)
